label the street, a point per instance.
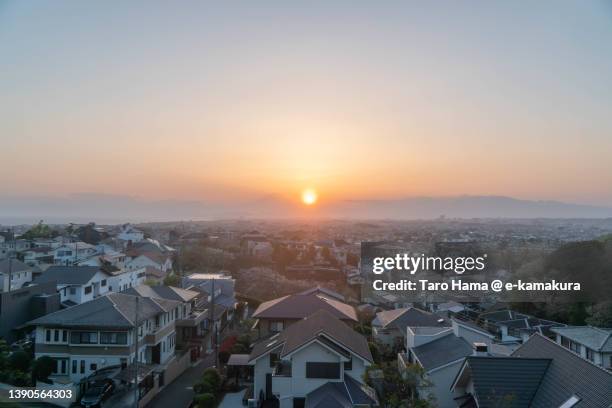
(179, 393)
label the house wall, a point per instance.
(442, 380)
(79, 296)
(312, 353)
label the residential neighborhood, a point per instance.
(140, 313)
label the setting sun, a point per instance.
(309, 197)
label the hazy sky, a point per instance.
(195, 101)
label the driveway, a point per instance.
(179, 393)
(232, 400)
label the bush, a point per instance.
(212, 377)
(42, 368)
(205, 400)
(20, 361)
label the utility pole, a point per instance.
(136, 354)
(214, 326)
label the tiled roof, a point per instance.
(507, 381)
(69, 275)
(593, 337)
(568, 374)
(409, 317)
(111, 310)
(320, 324)
(301, 306)
(14, 265)
(442, 351)
(336, 394)
(162, 292)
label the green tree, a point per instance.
(205, 400)
(42, 368)
(172, 280)
(19, 361)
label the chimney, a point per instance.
(480, 349)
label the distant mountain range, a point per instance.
(116, 209)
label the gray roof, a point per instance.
(300, 306)
(162, 292)
(409, 317)
(442, 351)
(568, 374)
(336, 394)
(69, 275)
(323, 326)
(593, 337)
(112, 310)
(14, 265)
(507, 381)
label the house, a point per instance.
(79, 284)
(589, 342)
(216, 285)
(316, 362)
(192, 326)
(21, 305)
(38, 255)
(540, 373)
(276, 315)
(439, 353)
(101, 333)
(138, 260)
(129, 233)
(70, 254)
(389, 326)
(514, 327)
(14, 274)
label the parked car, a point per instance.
(96, 393)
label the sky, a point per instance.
(237, 101)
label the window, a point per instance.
(73, 291)
(103, 282)
(273, 359)
(64, 336)
(113, 338)
(276, 326)
(323, 370)
(82, 366)
(77, 337)
(589, 354)
(55, 335)
(565, 342)
(48, 335)
(74, 366)
(63, 366)
(348, 365)
(93, 366)
(87, 290)
(299, 402)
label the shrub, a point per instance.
(205, 400)
(43, 368)
(212, 377)
(19, 360)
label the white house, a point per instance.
(100, 333)
(80, 284)
(591, 343)
(150, 259)
(70, 254)
(440, 354)
(310, 360)
(130, 234)
(14, 274)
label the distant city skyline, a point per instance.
(161, 102)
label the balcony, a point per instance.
(282, 369)
(193, 319)
(158, 334)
